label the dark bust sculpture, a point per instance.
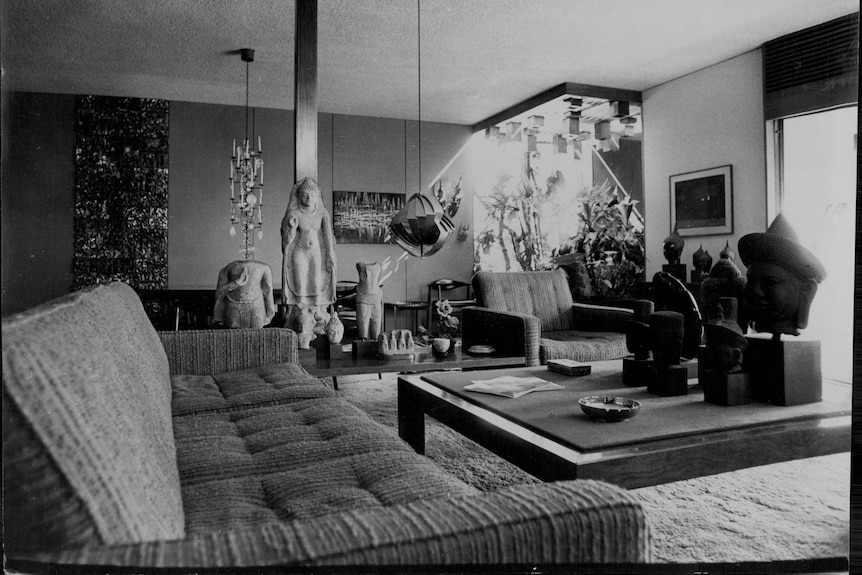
(782, 279)
(724, 280)
(725, 342)
(673, 245)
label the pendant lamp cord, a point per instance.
(419, 83)
(246, 101)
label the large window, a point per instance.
(816, 184)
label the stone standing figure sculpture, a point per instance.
(309, 267)
(244, 295)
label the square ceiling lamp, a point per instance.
(572, 125)
(628, 126)
(535, 122)
(619, 109)
(561, 145)
(603, 129)
(513, 131)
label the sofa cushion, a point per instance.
(88, 383)
(256, 386)
(582, 345)
(306, 459)
(544, 294)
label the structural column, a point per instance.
(305, 91)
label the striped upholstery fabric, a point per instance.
(110, 461)
(87, 380)
(305, 459)
(198, 352)
(582, 345)
(545, 295)
(569, 522)
(267, 384)
(568, 330)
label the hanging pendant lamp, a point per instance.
(421, 227)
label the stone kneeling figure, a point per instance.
(243, 296)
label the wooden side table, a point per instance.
(413, 306)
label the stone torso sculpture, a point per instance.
(369, 301)
(244, 295)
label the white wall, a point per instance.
(712, 117)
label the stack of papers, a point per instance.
(511, 386)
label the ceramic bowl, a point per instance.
(609, 408)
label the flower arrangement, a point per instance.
(444, 324)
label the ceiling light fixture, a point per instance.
(246, 180)
(421, 227)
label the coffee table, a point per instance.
(423, 360)
(671, 438)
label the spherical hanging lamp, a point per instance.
(421, 227)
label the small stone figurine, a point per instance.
(673, 246)
(702, 262)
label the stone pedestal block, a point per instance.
(668, 380)
(637, 372)
(726, 388)
(784, 372)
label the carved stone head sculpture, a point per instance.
(673, 245)
(666, 331)
(724, 340)
(638, 339)
(782, 279)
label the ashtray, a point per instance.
(609, 408)
(480, 349)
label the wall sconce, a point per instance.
(531, 143)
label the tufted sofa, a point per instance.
(124, 447)
(533, 314)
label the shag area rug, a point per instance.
(798, 510)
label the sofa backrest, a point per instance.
(544, 294)
(89, 414)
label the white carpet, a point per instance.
(786, 511)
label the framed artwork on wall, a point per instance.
(363, 217)
(701, 203)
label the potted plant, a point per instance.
(445, 328)
(609, 241)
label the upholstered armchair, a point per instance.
(533, 314)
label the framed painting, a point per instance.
(363, 217)
(701, 203)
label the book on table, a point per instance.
(511, 386)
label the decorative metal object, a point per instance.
(246, 180)
(422, 227)
(121, 192)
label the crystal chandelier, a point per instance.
(246, 181)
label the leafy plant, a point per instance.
(610, 237)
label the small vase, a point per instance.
(440, 345)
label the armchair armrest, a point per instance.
(200, 352)
(610, 316)
(567, 522)
(508, 332)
